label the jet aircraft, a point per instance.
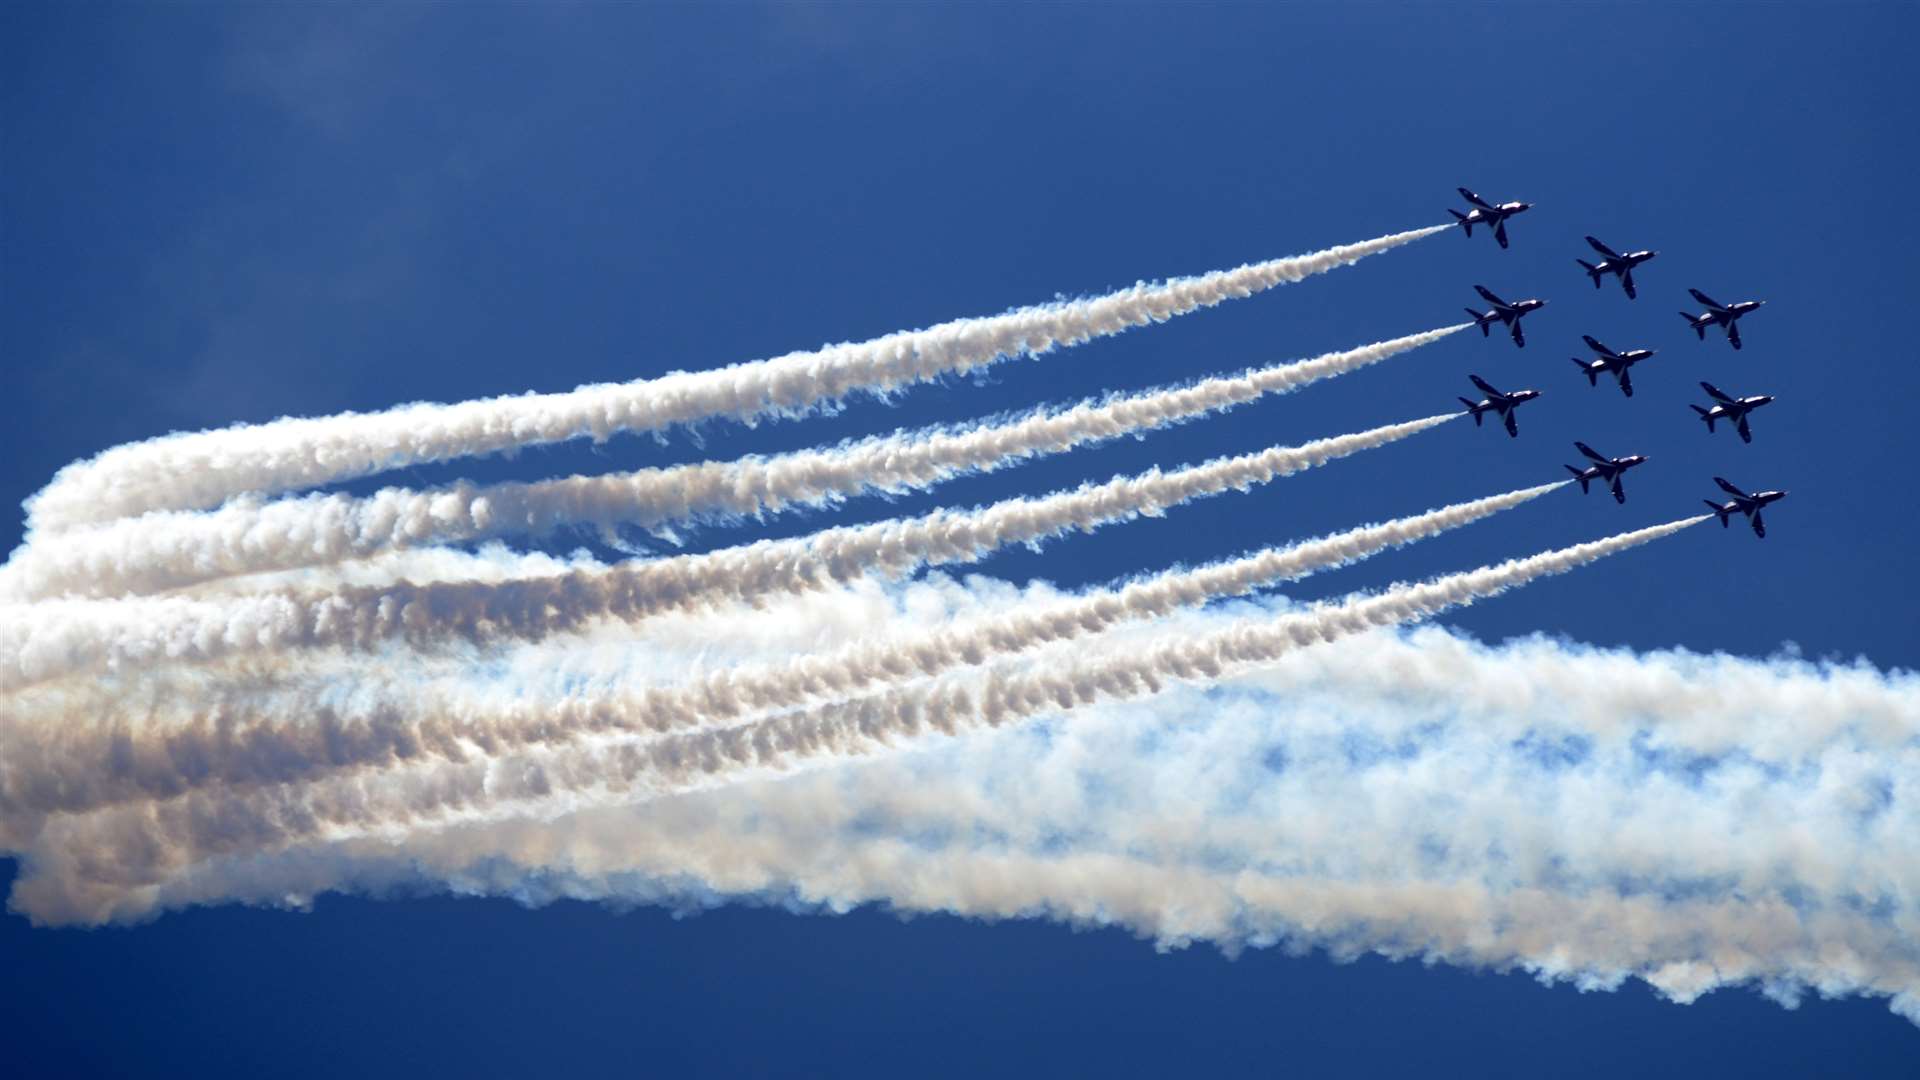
(1497, 402)
(1612, 262)
(1615, 362)
(1731, 408)
(1749, 503)
(1604, 469)
(1504, 312)
(1718, 314)
(1486, 213)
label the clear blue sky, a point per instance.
(214, 214)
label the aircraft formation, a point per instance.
(1607, 471)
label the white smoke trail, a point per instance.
(1311, 818)
(200, 470)
(78, 763)
(168, 550)
(57, 638)
(1588, 816)
(142, 843)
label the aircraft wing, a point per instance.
(1519, 335)
(1500, 232)
(1596, 345)
(1626, 382)
(1485, 387)
(1746, 433)
(1626, 282)
(1590, 452)
(1487, 295)
(1707, 300)
(1759, 526)
(1733, 333)
(1513, 429)
(1475, 199)
(1602, 248)
(1716, 393)
(1729, 488)
(1619, 493)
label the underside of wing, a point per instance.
(1746, 433)
(1513, 428)
(1716, 393)
(1475, 199)
(1733, 333)
(1626, 282)
(1707, 300)
(1485, 387)
(1729, 488)
(1500, 231)
(1589, 451)
(1487, 295)
(1598, 346)
(1602, 248)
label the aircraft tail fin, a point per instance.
(1482, 322)
(1462, 218)
(1705, 414)
(1718, 511)
(1473, 407)
(1592, 271)
(1699, 326)
(1593, 377)
(1578, 475)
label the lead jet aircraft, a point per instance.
(1604, 469)
(1749, 503)
(1504, 312)
(1612, 262)
(1718, 314)
(1615, 362)
(1497, 402)
(1731, 408)
(1486, 213)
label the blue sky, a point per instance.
(220, 214)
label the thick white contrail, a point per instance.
(195, 471)
(81, 765)
(51, 639)
(1588, 816)
(145, 842)
(169, 550)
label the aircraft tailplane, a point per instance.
(1705, 414)
(1699, 326)
(1592, 271)
(1718, 511)
(1593, 377)
(1474, 408)
(1464, 223)
(1579, 475)
(1483, 321)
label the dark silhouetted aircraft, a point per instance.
(1731, 408)
(1612, 262)
(1504, 312)
(1604, 469)
(1486, 213)
(1745, 502)
(1610, 361)
(1504, 404)
(1718, 314)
